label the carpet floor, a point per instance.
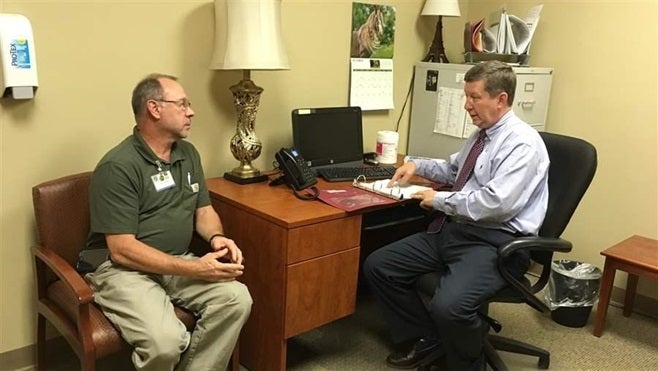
(360, 342)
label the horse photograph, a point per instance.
(373, 30)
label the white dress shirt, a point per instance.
(508, 189)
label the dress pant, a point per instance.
(467, 258)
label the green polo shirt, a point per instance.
(124, 198)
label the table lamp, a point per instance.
(253, 42)
(447, 8)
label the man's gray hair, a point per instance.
(498, 77)
(148, 88)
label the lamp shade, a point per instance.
(449, 8)
(253, 38)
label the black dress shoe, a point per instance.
(423, 352)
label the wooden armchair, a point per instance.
(64, 298)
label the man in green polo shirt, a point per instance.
(147, 196)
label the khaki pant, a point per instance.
(140, 306)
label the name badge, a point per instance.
(163, 180)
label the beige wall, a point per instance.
(91, 52)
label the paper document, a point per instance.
(531, 19)
(450, 112)
(502, 45)
(510, 44)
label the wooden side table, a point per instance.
(638, 256)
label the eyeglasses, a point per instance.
(181, 103)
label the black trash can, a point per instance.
(572, 290)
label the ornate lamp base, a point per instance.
(245, 145)
(237, 179)
(245, 174)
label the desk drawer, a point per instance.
(312, 241)
(320, 291)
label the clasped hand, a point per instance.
(224, 263)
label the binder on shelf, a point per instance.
(507, 39)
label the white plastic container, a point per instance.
(387, 147)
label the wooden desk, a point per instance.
(301, 264)
(636, 255)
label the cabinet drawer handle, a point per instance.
(526, 104)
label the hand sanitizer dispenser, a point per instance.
(17, 56)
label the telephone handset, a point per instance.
(295, 171)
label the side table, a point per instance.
(638, 256)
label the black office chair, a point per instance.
(573, 164)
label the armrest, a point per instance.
(533, 243)
(66, 273)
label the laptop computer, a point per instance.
(328, 136)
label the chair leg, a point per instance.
(234, 364)
(492, 357)
(87, 364)
(41, 343)
(513, 346)
(87, 360)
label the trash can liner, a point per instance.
(572, 284)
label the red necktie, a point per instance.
(466, 171)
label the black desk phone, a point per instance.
(295, 171)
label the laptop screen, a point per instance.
(328, 136)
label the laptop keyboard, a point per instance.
(341, 174)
